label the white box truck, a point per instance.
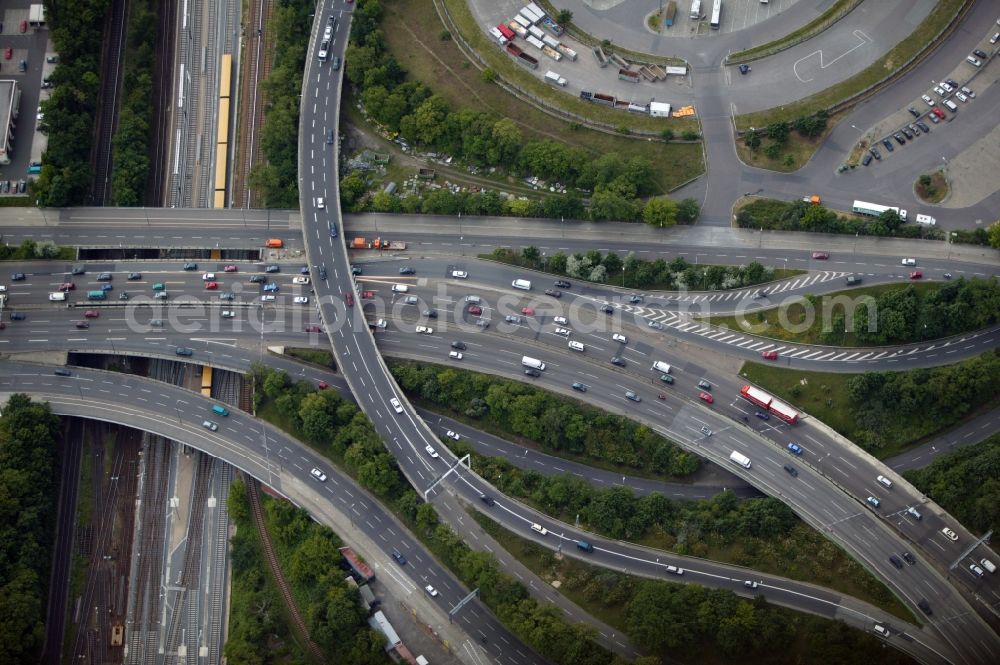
(554, 78)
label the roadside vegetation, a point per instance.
(659, 275)
(30, 250)
(341, 432)
(556, 425)
(314, 356)
(887, 412)
(690, 623)
(130, 144)
(775, 215)
(966, 483)
(29, 435)
(785, 145)
(903, 314)
(471, 120)
(882, 69)
(761, 534)
(276, 176)
(309, 558)
(77, 31)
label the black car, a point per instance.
(258, 279)
(17, 277)
(333, 230)
(487, 499)
(562, 284)
(135, 275)
(579, 387)
(329, 136)
(792, 471)
(270, 269)
(430, 313)
(78, 270)
(63, 372)
(322, 272)
(407, 270)
(907, 133)
(183, 351)
(979, 54)
(866, 160)
(909, 558)
(875, 153)
(899, 138)
(925, 607)
(952, 82)
(607, 309)
(618, 360)
(190, 266)
(123, 295)
(923, 125)
(914, 112)
(532, 372)
(16, 316)
(355, 270)
(458, 345)
(894, 560)
(888, 145)
(744, 69)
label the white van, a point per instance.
(662, 367)
(533, 363)
(740, 459)
(951, 105)
(988, 565)
(58, 295)
(884, 481)
(400, 288)
(522, 284)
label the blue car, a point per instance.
(763, 415)
(795, 448)
(270, 287)
(106, 287)
(398, 556)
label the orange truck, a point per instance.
(359, 243)
(389, 244)
(275, 243)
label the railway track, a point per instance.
(253, 492)
(255, 64)
(111, 81)
(156, 186)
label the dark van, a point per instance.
(584, 545)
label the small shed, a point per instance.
(659, 109)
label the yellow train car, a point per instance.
(220, 199)
(206, 381)
(223, 134)
(225, 76)
(221, 157)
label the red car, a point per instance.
(769, 355)
(24, 26)
(91, 314)
(475, 309)
(821, 255)
(707, 397)
(527, 311)
(323, 385)
(313, 329)
(211, 286)
(8, 53)
(938, 112)
(916, 274)
(230, 269)
(368, 295)
(67, 286)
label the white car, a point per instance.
(396, 405)
(576, 346)
(424, 330)
(882, 630)
(909, 262)
(3, 289)
(400, 288)
(300, 280)
(208, 277)
(455, 355)
(927, 100)
(320, 203)
(264, 298)
(452, 435)
(951, 535)
(430, 451)
(675, 570)
(563, 331)
(655, 325)
(946, 86)
(459, 274)
(618, 337)
(318, 475)
(560, 320)
(961, 97)
(939, 91)
(228, 314)
(431, 591)
(300, 300)
(209, 425)
(410, 300)
(328, 32)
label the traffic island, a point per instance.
(933, 187)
